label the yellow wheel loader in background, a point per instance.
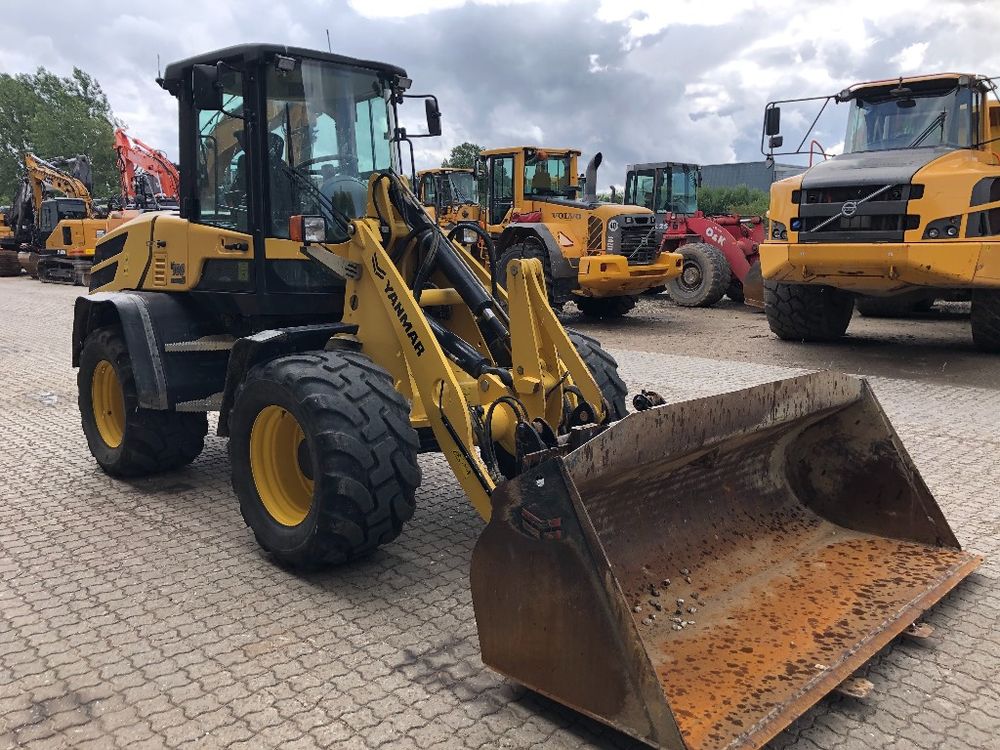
(452, 189)
(909, 212)
(336, 346)
(599, 255)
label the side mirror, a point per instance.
(772, 120)
(205, 89)
(775, 141)
(433, 117)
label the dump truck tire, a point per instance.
(704, 278)
(897, 306)
(801, 312)
(525, 250)
(323, 456)
(9, 265)
(986, 320)
(126, 440)
(604, 368)
(606, 307)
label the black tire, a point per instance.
(654, 291)
(800, 312)
(8, 264)
(524, 250)
(704, 278)
(606, 307)
(735, 290)
(986, 320)
(896, 306)
(152, 441)
(604, 368)
(357, 445)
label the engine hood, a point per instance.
(874, 168)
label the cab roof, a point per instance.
(172, 76)
(929, 78)
(510, 149)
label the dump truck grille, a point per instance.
(846, 213)
(638, 244)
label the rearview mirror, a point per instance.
(772, 120)
(205, 89)
(433, 117)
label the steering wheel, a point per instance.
(309, 162)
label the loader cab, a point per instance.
(664, 187)
(516, 180)
(270, 133)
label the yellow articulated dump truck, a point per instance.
(599, 255)
(695, 574)
(909, 212)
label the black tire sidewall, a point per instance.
(715, 276)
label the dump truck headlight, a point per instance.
(946, 227)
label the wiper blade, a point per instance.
(937, 121)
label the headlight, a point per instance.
(943, 228)
(778, 231)
(796, 223)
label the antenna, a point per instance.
(158, 73)
(329, 47)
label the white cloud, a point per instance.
(911, 58)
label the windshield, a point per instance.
(882, 122)
(459, 187)
(547, 175)
(678, 190)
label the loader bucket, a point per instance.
(700, 574)
(753, 287)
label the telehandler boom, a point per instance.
(338, 333)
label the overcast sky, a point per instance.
(682, 80)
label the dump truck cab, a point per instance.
(598, 254)
(911, 207)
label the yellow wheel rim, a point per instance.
(277, 454)
(108, 403)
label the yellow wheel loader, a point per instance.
(908, 213)
(337, 345)
(450, 195)
(599, 255)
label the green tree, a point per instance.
(53, 117)
(741, 199)
(463, 156)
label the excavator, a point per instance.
(696, 574)
(148, 179)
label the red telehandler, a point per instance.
(149, 180)
(720, 252)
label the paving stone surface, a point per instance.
(142, 614)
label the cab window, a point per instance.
(222, 171)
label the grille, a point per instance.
(882, 218)
(639, 245)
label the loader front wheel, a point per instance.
(801, 312)
(126, 440)
(524, 250)
(604, 368)
(606, 307)
(324, 459)
(986, 320)
(704, 278)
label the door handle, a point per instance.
(238, 246)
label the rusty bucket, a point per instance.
(701, 573)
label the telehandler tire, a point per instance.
(126, 440)
(802, 312)
(323, 456)
(524, 250)
(604, 368)
(9, 265)
(704, 278)
(606, 307)
(986, 320)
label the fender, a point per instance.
(558, 264)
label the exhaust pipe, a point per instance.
(590, 189)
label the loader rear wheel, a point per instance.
(604, 368)
(524, 250)
(801, 312)
(704, 278)
(606, 307)
(9, 265)
(735, 290)
(986, 320)
(324, 459)
(126, 440)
